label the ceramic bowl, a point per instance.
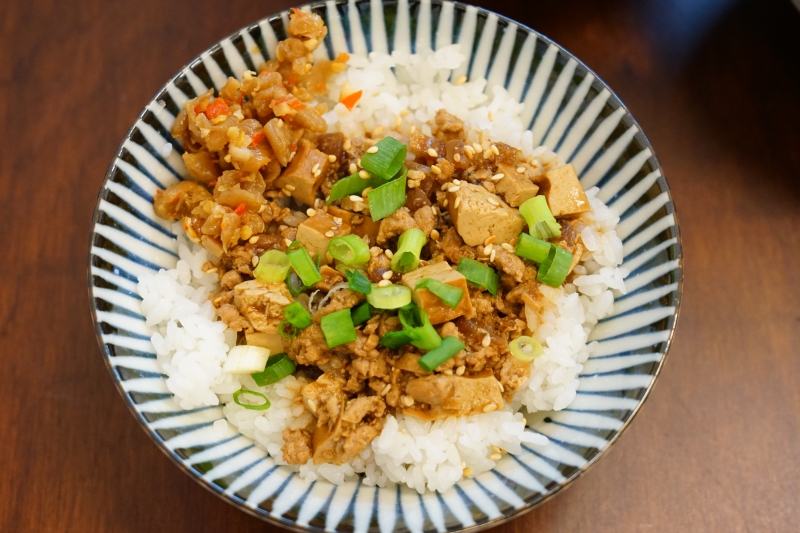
(569, 109)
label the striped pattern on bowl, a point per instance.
(568, 109)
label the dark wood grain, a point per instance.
(714, 84)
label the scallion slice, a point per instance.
(415, 319)
(244, 359)
(349, 249)
(252, 406)
(287, 329)
(541, 222)
(387, 161)
(448, 294)
(532, 248)
(350, 185)
(295, 284)
(449, 347)
(273, 266)
(389, 297)
(358, 282)
(553, 270)
(396, 339)
(297, 315)
(409, 246)
(361, 314)
(526, 349)
(386, 199)
(338, 328)
(304, 266)
(479, 274)
(278, 367)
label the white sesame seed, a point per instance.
(489, 240)
(384, 283)
(490, 407)
(487, 340)
(490, 115)
(347, 144)
(520, 169)
(255, 260)
(435, 234)
(373, 150)
(412, 130)
(311, 212)
(287, 192)
(444, 204)
(495, 456)
(477, 147)
(461, 80)
(432, 152)
(329, 234)
(495, 150)
(358, 163)
(377, 131)
(436, 170)
(290, 187)
(498, 177)
(460, 370)
(253, 240)
(405, 113)
(388, 274)
(385, 390)
(487, 250)
(507, 247)
(363, 174)
(317, 173)
(315, 168)
(457, 182)
(338, 221)
(354, 198)
(494, 202)
(332, 158)
(457, 158)
(491, 257)
(454, 188)
(487, 154)
(352, 168)
(458, 201)
(388, 253)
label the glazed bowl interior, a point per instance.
(567, 107)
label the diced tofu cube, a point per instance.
(316, 232)
(477, 214)
(564, 193)
(367, 227)
(301, 173)
(437, 311)
(515, 187)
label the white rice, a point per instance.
(192, 344)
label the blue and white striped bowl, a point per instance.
(568, 108)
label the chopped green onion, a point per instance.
(386, 199)
(448, 294)
(295, 284)
(349, 249)
(338, 328)
(541, 222)
(273, 266)
(245, 359)
(387, 161)
(350, 185)
(409, 246)
(553, 270)
(532, 248)
(396, 339)
(361, 314)
(526, 349)
(297, 315)
(358, 282)
(479, 274)
(415, 319)
(253, 407)
(278, 367)
(449, 347)
(287, 334)
(389, 297)
(304, 266)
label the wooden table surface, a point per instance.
(714, 84)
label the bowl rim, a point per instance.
(490, 523)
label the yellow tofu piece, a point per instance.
(477, 214)
(317, 231)
(564, 193)
(300, 173)
(514, 187)
(437, 311)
